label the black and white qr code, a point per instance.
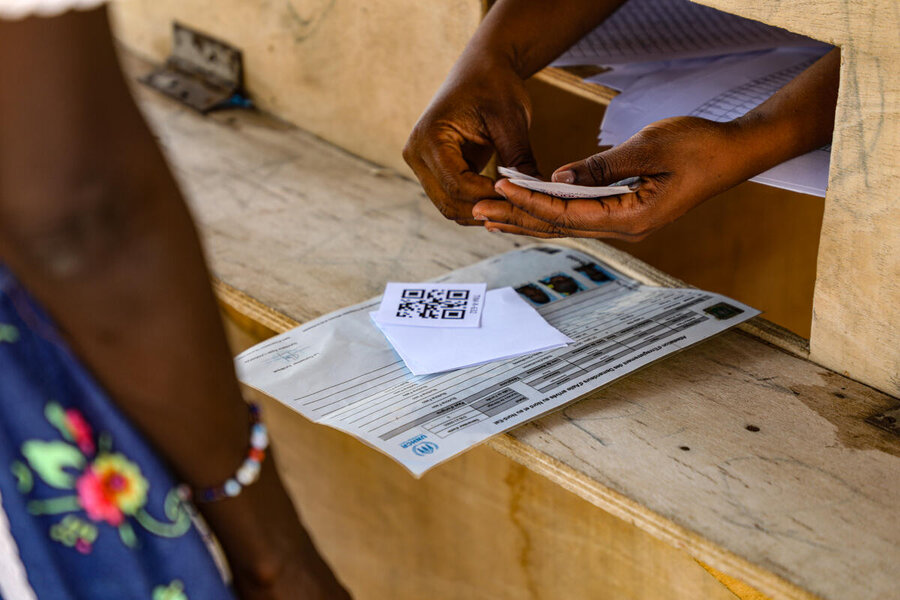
(433, 304)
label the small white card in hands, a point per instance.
(566, 190)
(432, 304)
(509, 327)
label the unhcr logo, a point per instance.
(424, 448)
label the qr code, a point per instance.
(433, 304)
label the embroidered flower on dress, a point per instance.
(110, 487)
(107, 486)
(74, 533)
(80, 431)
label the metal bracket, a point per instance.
(889, 420)
(202, 72)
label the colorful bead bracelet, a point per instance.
(249, 470)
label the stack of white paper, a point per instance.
(661, 30)
(719, 89)
(508, 327)
(566, 190)
(673, 58)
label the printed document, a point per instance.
(431, 305)
(339, 370)
(654, 30)
(674, 57)
(719, 89)
(510, 327)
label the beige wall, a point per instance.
(856, 309)
(357, 73)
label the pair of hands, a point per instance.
(681, 162)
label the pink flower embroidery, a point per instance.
(110, 488)
(80, 431)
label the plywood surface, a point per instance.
(479, 528)
(805, 503)
(856, 312)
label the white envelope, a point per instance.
(509, 327)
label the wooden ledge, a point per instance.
(751, 459)
(565, 79)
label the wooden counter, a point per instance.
(358, 74)
(735, 453)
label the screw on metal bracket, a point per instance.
(202, 72)
(889, 420)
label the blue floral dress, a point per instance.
(91, 512)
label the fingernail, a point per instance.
(480, 217)
(492, 229)
(564, 177)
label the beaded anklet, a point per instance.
(246, 474)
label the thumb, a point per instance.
(513, 146)
(602, 168)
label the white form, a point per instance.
(338, 370)
(719, 89)
(654, 30)
(438, 305)
(510, 327)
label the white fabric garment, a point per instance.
(19, 9)
(13, 581)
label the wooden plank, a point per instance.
(575, 85)
(799, 507)
(481, 527)
(737, 587)
(856, 313)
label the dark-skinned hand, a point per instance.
(681, 162)
(480, 109)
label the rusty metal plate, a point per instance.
(889, 420)
(202, 72)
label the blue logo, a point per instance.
(424, 448)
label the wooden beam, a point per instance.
(794, 509)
